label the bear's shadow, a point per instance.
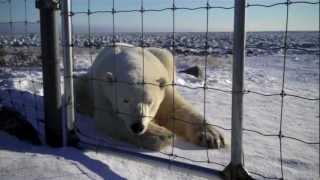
(101, 169)
(184, 145)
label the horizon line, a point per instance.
(108, 32)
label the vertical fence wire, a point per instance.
(11, 38)
(25, 16)
(38, 119)
(115, 65)
(12, 34)
(283, 85)
(92, 73)
(205, 78)
(173, 78)
(10, 19)
(142, 54)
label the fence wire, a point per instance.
(173, 9)
(22, 59)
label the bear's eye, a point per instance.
(126, 100)
(162, 83)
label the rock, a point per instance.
(194, 71)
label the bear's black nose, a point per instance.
(137, 128)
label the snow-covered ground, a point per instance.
(21, 160)
(263, 74)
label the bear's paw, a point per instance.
(156, 138)
(209, 138)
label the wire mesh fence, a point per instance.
(90, 41)
(20, 61)
(207, 8)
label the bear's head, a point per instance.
(137, 103)
(137, 92)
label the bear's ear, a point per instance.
(109, 77)
(162, 82)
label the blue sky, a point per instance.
(302, 16)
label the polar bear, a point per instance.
(129, 91)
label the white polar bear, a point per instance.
(129, 92)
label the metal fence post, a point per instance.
(235, 169)
(54, 128)
(68, 64)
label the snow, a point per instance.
(263, 73)
(220, 43)
(21, 160)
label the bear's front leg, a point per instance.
(196, 132)
(181, 118)
(155, 138)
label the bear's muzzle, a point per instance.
(137, 128)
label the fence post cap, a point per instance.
(48, 4)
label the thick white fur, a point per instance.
(119, 99)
